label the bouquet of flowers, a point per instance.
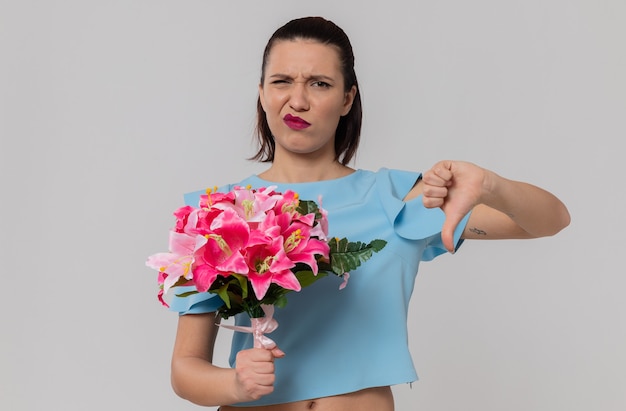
(252, 247)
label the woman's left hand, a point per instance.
(455, 187)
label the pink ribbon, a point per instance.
(259, 327)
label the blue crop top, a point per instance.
(340, 341)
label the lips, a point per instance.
(295, 123)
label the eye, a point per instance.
(321, 84)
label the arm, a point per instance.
(501, 208)
(196, 379)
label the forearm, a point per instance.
(203, 383)
(536, 211)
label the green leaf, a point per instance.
(281, 301)
(307, 207)
(181, 282)
(187, 294)
(243, 283)
(377, 245)
(223, 293)
(306, 277)
(346, 256)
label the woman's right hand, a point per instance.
(254, 372)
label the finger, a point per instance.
(432, 202)
(431, 191)
(255, 360)
(433, 179)
(260, 354)
(447, 231)
(433, 197)
(443, 170)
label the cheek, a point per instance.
(273, 108)
(264, 99)
(335, 112)
(274, 101)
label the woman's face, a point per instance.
(303, 97)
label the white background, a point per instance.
(110, 110)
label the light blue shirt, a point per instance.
(340, 341)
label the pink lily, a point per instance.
(222, 252)
(182, 217)
(345, 277)
(269, 264)
(177, 263)
(213, 197)
(298, 244)
(287, 203)
(255, 204)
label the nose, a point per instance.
(299, 100)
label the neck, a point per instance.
(304, 170)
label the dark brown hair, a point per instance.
(348, 131)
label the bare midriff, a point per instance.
(370, 399)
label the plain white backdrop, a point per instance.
(110, 111)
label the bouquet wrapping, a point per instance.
(252, 247)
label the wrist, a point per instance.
(497, 192)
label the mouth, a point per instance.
(295, 123)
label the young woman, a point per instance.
(342, 350)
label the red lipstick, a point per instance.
(295, 123)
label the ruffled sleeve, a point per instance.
(198, 303)
(410, 219)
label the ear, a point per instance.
(348, 100)
(261, 96)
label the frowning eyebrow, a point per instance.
(315, 77)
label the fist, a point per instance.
(254, 372)
(455, 187)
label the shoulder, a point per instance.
(397, 182)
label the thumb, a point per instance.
(450, 224)
(277, 352)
